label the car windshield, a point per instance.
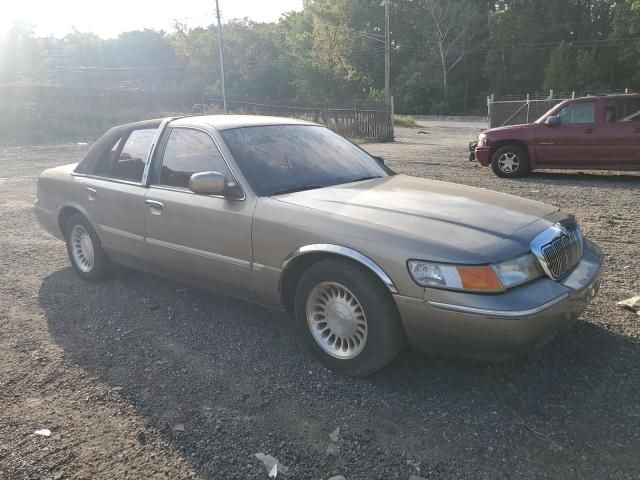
(282, 159)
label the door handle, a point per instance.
(154, 206)
(92, 194)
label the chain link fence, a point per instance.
(514, 110)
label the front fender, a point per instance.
(338, 250)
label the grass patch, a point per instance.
(404, 121)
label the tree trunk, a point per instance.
(445, 82)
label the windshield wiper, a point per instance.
(296, 189)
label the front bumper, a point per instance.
(483, 155)
(502, 325)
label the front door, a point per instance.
(201, 238)
(113, 196)
(572, 143)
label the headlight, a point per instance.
(518, 271)
(482, 139)
(457, 277)
(483, 278)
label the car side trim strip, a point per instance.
(201, 253)
(499, 313)
(345, 252)
(122, 233)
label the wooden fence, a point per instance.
(365, 121)
(38, 114)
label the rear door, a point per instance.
(574, 141)
(113, 195)
(201, 238)
(621, 133)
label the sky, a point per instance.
(108, 18)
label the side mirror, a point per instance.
(553, 120)
(208, 183)
(378, 159)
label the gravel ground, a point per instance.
(140, 377)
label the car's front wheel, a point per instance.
(85, 252)
(510, 161)
(347, 318)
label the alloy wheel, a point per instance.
(82, 248)
(509, 162)
(336, 320)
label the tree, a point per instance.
(453, 25)
(23, 58)
(560, 73)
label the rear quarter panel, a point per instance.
(57, 189)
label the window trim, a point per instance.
(158, 157)
(106, 179)
(152, 150)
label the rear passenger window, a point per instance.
(129, 164)
(626, 110)
(187, 152)
(103, 167)
(127, 158)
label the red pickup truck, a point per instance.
(590, 133)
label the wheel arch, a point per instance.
(67, 211)
(302, 258)
(502, 143)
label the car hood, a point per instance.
(435, 212)
(508, 128)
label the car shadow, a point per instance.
(235, 375)
(612, 179)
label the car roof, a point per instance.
(226, 122)
(615, 96)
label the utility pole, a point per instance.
(387, 97)
(221, 50)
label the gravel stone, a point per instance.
(237, 375)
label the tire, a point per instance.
(366, 336)
(510, 161)
(85, 253)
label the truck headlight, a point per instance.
(475, 278)
(482, 139)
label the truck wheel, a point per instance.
(86, 255)
(347, 318)
(510, 161)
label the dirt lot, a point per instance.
(139, 377)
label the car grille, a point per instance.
(559, 248)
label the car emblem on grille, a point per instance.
(558, 249)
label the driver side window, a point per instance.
(187, 152)
(578, 113)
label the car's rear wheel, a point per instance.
(510, 161)
(85, 253)
(347, 318)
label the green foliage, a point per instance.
(405, 121)
(560, 73)
(446, 56)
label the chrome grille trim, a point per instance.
(559, 248)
